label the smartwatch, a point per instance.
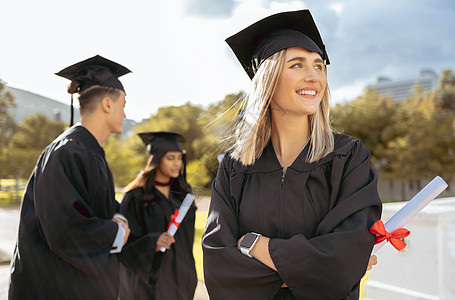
(248, 242)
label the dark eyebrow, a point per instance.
(302, 59)
(299, 58)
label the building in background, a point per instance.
(28, 103)
(401, 89)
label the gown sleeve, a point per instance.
(228, 273)
(330, 265)
(63, 207)
(138, 255)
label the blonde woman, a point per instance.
(292, 202)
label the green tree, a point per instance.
(370, 118)
(428, 146)
(408, 140)
(126, 157)
(25, 146)
(202, 128)
(219, 120)
(184, 119)
(7, 126)
(446, 90)
(31, 137)
(7, 123)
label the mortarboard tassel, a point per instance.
(184, 164)
(72, 112)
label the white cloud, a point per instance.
(348, 92)
(177, 57)
(337, 7)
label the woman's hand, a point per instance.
(164, 240)
(373, 261)
(260, 251)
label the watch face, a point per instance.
(248, 240)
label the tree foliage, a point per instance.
(185, 119)
(202, 128)
(31, 137)
(371, 119)
(428, 146)
(446, 91)
(409, 139)
(126, 157)
(7, 123)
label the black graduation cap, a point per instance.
(96, 70)
(274, 33)
(162, 141)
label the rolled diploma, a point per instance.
(413, 207)
(186, 204)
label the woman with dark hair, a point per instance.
(293, 201)
(148, 204)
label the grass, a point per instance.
(8, 191)
(8, 198)
(201, 219)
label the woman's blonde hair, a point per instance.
(253, 128)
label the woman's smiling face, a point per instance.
(302, 83)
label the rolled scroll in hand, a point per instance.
(179, 214)
(393, 226)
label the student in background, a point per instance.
(148, 203)
(68, 230)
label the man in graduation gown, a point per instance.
(68, 233)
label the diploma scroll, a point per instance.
(174, 225)
(413, 207)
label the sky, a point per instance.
(177, 53)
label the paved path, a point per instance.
(9, 223)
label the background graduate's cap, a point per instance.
(274, 33)
(162, 141)
(96, 70)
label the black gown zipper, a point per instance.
(281, 205)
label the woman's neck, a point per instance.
(165, 190)
(162, 187)
(289, 136)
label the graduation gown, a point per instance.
(317, 215)
(65, 229)
(156, 275)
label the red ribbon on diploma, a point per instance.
(394, 238)
(173, 217)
